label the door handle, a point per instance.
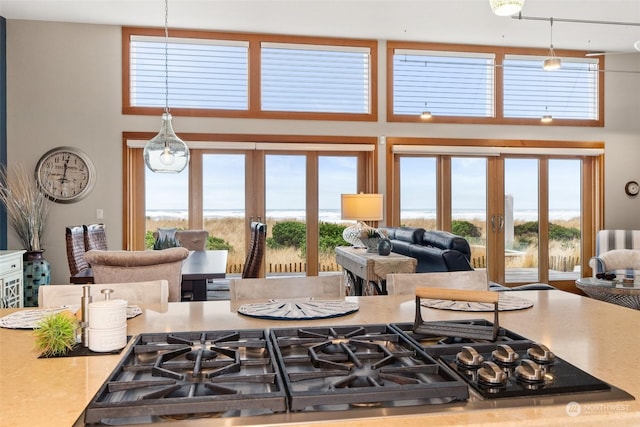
(497, 224)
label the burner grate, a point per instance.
(373, 365)
(195, 373)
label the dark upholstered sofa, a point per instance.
(436, 251)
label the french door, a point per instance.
(528, 218)
(294, 187)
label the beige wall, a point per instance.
(64, 88)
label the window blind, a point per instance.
(570, 92)
(315, 78)
(444, 83)
(206, 74)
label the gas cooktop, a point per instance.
(309, 372)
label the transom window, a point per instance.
(570, 92)
(491, 85)
(211, 74)
(207, 74)
(315, 78)
(444, 83)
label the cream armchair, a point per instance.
(139, 266)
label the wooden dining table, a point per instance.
(197, 268)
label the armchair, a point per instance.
(617, 252)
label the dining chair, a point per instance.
(263, 289)
(406, 283)
(139, 266)
(253, 261)
(95, 237)
(75, 249)
(136, 293)
(194, 240)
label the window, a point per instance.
(444, 83)
(206, 74)
(211, 74)
(315, 78)
(570, 92)
(491, 85)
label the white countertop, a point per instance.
(598, 337)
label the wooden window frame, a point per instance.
(592, 211)
(134, 226)
(254, 109)
(500, 53)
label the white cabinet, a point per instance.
(11, 281)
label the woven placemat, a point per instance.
(28, 319)
(298, 309)
(505, 303)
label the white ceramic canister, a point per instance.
(108, 314)
(104, 340)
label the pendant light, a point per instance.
(426, 114)
(166, 152)
(552, 62)
(506, 7)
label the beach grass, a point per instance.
(230, 229)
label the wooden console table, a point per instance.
(367, 272)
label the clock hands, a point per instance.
(65, 166)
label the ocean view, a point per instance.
(333, 215)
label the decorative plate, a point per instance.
(28, 319)
(505, 303)
(298, 309)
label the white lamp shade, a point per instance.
(362, 207)
(506, 7)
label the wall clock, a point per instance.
(632, 188)
(65, 174)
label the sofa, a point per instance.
(435, 251)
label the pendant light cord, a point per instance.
(166, 56)
(551, 38)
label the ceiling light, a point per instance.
(165, 152)
(425, 115)
(506, 7)
(547, 118)
(552, 62)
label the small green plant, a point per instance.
(217, 243)
(56, 334)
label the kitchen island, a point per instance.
(596, 336)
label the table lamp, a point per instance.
(360, 207)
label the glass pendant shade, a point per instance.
(166, 152)
(425, 115)
(551, 63)
(506, 7)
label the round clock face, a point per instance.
(632, 188)
(65, 174)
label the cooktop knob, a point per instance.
(469, 356)
(530, 371)
(540, 353)
(505, 354)
(490, 373)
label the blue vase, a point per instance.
(36, 272)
